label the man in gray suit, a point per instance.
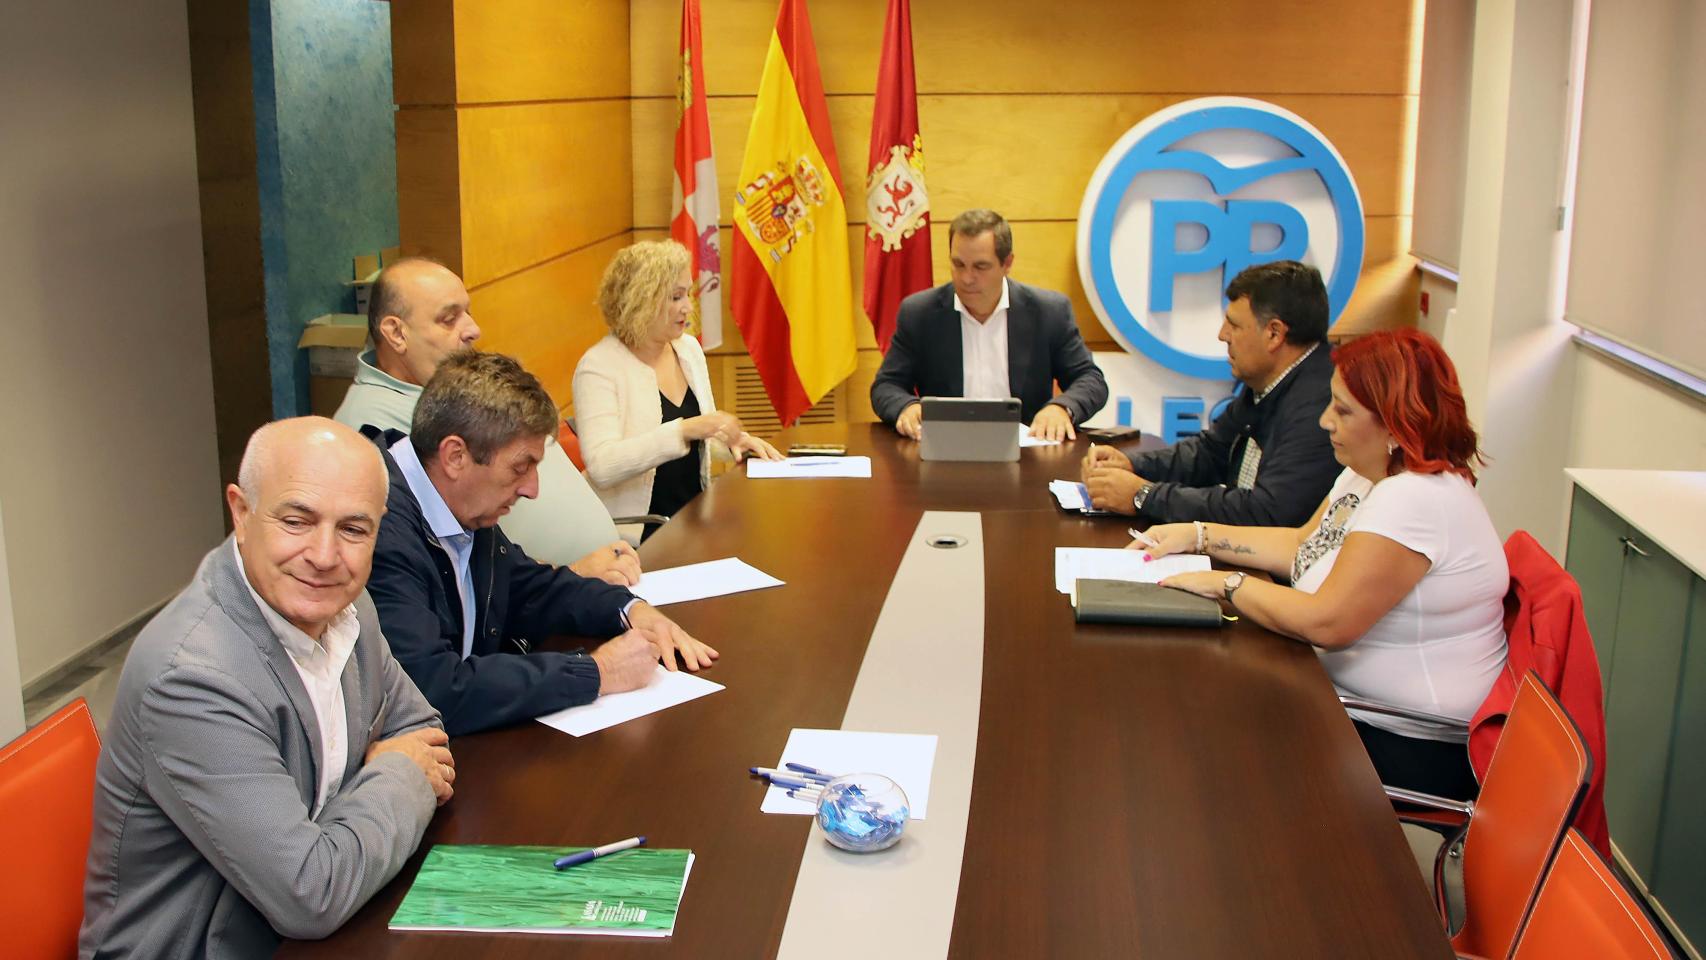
(268, 765)
(987, 337)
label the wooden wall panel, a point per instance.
(539, 180)
(973, 157)
(429, 191)
(546, 316)
(516, 50)
(1086, 46)
(423, 52)
(514, 162)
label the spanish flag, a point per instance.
(791, 285)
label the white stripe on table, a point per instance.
(922, 673)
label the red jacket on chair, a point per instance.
(1548, 634)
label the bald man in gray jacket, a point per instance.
(268, 765)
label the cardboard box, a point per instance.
(333, 342)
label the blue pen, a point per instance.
(575, 859)
(809, 771)
(781, 781)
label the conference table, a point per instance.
(1164, 793)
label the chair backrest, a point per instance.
(571, 444)
(1585, 913)
(1533, 786)
(47, 802)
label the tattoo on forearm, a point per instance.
(1225, 545)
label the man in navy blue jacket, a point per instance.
(461, 605)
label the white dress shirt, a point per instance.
(321, 667)
(983, 350)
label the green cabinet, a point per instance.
(1595, 560)
(1647, 613)
(1679, 880)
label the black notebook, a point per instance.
(1142, 604)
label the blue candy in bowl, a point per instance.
(863, 812)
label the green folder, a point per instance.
(492, 889)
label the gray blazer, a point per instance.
(203, 845)
(1044, 347)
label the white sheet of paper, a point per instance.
(905, 758)
(696, 581)
(666, 690)
(808, 468)
(1026, 440)
(1092, 563)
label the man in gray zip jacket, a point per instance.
(268, 765)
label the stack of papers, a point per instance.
(1072, 564)
(905, 758)
(667, 689)
(696, 581)
(808, 468)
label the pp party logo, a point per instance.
(1191, 196)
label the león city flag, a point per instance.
(897, 209)
(789, 273)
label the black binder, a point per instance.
(1142, 604)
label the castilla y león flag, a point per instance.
(897, 210)
(793, 292)
(693, 208)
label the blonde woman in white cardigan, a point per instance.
(648, 424)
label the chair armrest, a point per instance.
(650, 519)
(1431, 719)
(1430, 801)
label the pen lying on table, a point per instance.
(585, 856)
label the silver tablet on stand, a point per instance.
(960, 429)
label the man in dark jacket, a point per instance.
(1265, 461)
(985, 336)
(459, 603)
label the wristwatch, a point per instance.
(1141, 495)
(1231, 584)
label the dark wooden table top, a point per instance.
(1157, 793)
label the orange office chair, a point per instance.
(1585, 913)
(47, 802)
(1534, 784)
(571, 444)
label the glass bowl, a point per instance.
(863, 812)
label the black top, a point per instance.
(677, 481)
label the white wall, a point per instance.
(1622, 419)
(109, 474)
